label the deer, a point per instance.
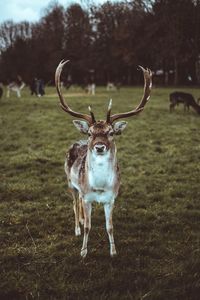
(15, 86)
(187, 99)
(91, 165)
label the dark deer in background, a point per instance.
(91, 165)
(187, 99)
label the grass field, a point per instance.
(157, 213)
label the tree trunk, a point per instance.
(129, 76)
(175, 71)
(166, 78)
(197, 69)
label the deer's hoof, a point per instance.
(77, 231)
(84, 252)
(113, 251)
(113, 254)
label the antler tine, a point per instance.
(109, 111)
(63, 104)
(146, 95)
(92, 114)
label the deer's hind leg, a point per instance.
(171, 107)
(81, 213)
(76, 211)
(87, 208)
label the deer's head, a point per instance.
(101, 133)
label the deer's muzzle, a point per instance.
(100, 148)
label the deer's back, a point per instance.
(181, 97)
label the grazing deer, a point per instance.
(111, 86)
(91, 165)
(187, 99)
(15, 87)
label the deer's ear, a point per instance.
(82, 126)
(119, 127)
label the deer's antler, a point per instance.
(89, 118)
(147, 90)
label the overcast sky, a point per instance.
(30, 10)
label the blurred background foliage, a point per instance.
(107, 40)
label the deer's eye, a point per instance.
(111, 133)
(89, 134)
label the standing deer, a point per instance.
(91, 165)
(187, 99)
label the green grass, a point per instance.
(157, 212)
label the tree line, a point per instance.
(106, 42)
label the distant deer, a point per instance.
(187, 99)
(111, 86)
(15, 87)
(91, 165)
(91, 88)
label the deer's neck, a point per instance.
(101, 169)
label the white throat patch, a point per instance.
(101, 171)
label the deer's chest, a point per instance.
(101, 180)
(101, 176)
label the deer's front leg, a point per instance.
(87, 208)
(108, 208)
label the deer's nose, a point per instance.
(100, 148)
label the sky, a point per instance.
(31, 10)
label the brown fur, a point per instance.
(181, 97)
